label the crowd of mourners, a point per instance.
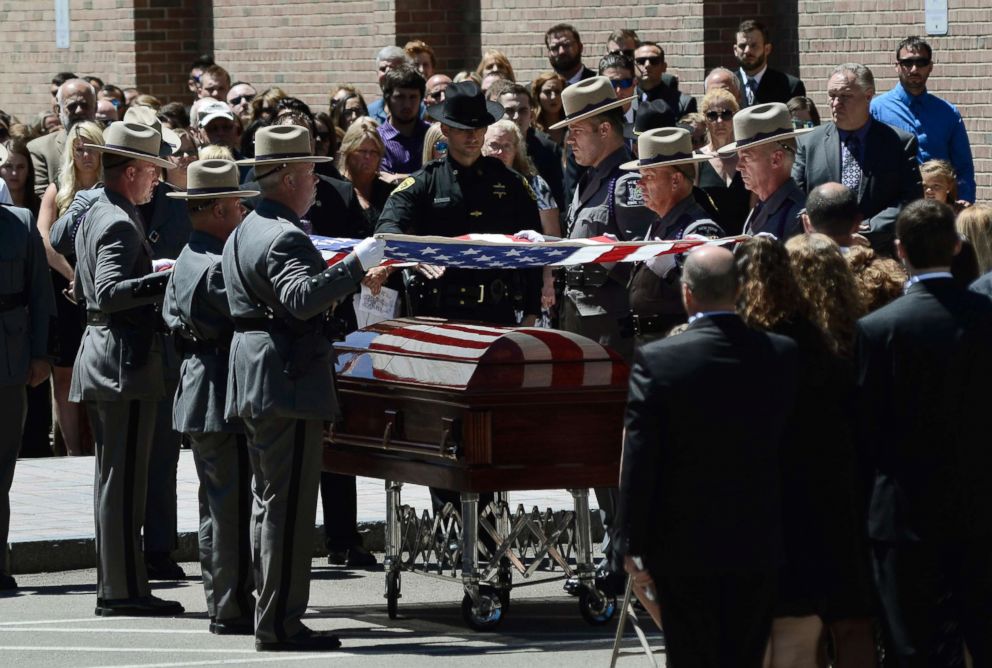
(858, 531)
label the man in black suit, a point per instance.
(565, 53)
(923, 368)
(699, 492)
(875, 160)
(759, 82)
(654, 83)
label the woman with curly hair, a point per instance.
(880, 280)
(546, 89)
(825, 580)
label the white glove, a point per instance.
(697, 237)
(162, 265)
(767, 234)
(661, 265)
(530, 235)
(369, 252)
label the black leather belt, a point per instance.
(654, 324)
(474, 293)
(258, 325)
(199, 347)
(13, 300)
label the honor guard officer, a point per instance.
(281, 378)
(467, 193)
(197, 311)
(667, 166)
(27, 304)
(118, 370)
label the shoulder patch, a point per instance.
(404, 184)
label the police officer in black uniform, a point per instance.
(460, 194)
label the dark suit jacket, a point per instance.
(699, 483)
(891, 174)
(924, 364)
(547, 159)
(775, 86)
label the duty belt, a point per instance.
(200, 347)
(474, 293)
(13, 300)
(654, 324)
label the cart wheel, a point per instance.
(487, 615)
(596, 607)
(392, 592)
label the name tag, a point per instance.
(442, 200)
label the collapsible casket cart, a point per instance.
(475, 409)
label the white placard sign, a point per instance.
(370, 309)
(62, 24)
(936, 17)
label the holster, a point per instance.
(136, 329)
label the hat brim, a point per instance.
(170, 143)
(252, 162)
(733, 147)
(636, 166)
(494, 111)
(619, 102)
(134, 155)
(227, 193)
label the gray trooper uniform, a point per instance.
(27, 304)
(197, 311)
(281, 383)
(118, 373)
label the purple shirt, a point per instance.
(404, 155)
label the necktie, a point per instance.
(850, 174)
(752, 88)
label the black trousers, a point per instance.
(716, 621)
(338, 499)
(923, 587)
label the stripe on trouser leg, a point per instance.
(285, 577)
(244, 504)
(130, 453)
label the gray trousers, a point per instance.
(225, 519)
(160, 519)
(13, 410)
(122, 433)
(285, 456)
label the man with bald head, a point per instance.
(436, 86)
(75, 101)
(721, 77)
(699, 497)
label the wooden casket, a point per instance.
(476, 408)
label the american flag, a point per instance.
(503, 251)
(463, 355)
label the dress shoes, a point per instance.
(7, 582)
(305, 641)
(161, 566)
(142, 606)
(238, 626)
(354, 557)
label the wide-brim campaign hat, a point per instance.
(650, 116)
(587, 98)
(147, 116)
(281, 145)
(664, 147)
(465, 107)
(208, 179)
(761, 124)
(132, 140)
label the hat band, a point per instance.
(664, 158)
(211, 190)
(131, 149)
(590, 107)
(280, 156)
(763, 135)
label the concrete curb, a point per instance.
(45, 556)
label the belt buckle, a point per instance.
(482, 293)
(635, 321)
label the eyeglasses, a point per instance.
(908, 63)
(722, 115)
(241, 98)
(556, 46)
(648, 60)
(496, 147)
(622, 83)
(799, 124)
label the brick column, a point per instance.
(453, 30)
(168, 36)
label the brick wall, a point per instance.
(306, 47)
(868, 31)
(101, 43)
(169, 35)
(780, 16)
(453, 30)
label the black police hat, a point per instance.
(465, 107)
(650, 116)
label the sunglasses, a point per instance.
(715, 116)
(800, 124)
(622, 83)
(648, 60)
(241, 98)
(908, 63)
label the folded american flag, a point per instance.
(503, 251)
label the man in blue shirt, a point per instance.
(403, 133)
(936, 123)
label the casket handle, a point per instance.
(392, 418)
(446, 449)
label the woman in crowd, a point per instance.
(326, 139)
(504, 141)
(824, 579)
(975, 225)
(695, 123)
(803, 112)
(18, 173)
(264, 106)
(46, 123)
(880, 280)
(719, 177)
(347, 109)
(940, 182)
(81, 168)
(362, 151)
(435, 144)
(546, 89)
(495, 62)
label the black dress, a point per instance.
(733, 202)
(826, 570)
